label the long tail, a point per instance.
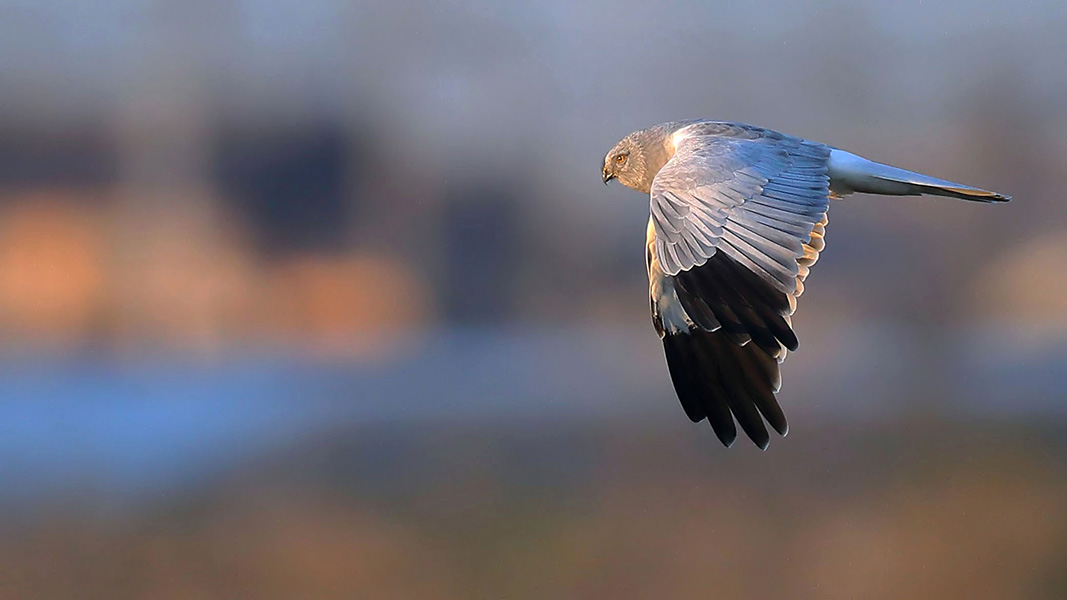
(850, 173)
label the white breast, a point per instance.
(661, 289)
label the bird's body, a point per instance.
(737, 218)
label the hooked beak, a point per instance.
(608, 176)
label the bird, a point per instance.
(737, 218)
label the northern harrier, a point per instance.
(738, 215)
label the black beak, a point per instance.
(608, 176)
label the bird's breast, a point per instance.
(666, 307)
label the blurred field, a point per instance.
(920, 510)
(326, 299)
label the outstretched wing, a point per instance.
(737, 218)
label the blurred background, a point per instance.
(326, 299)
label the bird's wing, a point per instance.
(736, 223)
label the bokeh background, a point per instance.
(325, 299)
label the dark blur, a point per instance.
(325, 299)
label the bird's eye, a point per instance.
(620, 158)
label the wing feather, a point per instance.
(738, 218)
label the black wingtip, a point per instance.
(726, 437)
(761, 440)
(730, 385)
(789, 340)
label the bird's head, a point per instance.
(626, 162)
(636, 159)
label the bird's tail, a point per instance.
(850, 173)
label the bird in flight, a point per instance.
(738, 215)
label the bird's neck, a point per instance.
(656, 156)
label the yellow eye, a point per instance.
(620, 158)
